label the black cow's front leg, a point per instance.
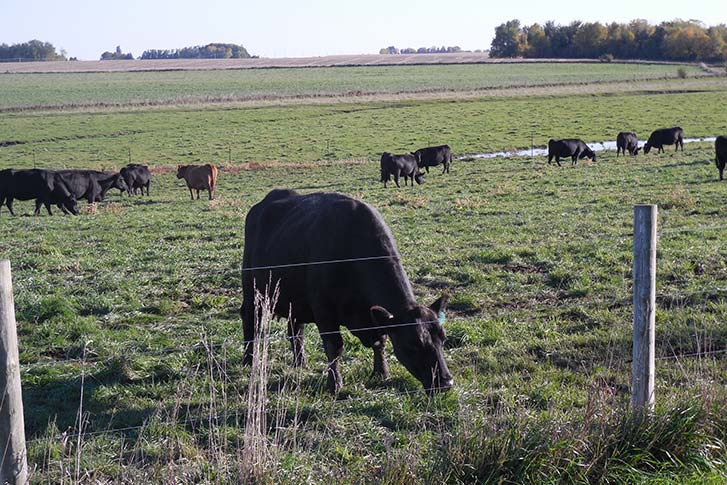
(247, 312)
(9, 203)
(381, 368)
(296, 333)
(333, 345)
(396, 180)
(191, 194)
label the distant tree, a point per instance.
(589, 40)
(538, 42)
(116, 55)
(508, 41)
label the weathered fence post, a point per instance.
(14, 466)
(642, 374)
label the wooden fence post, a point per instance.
(14, 465)
(642, 374)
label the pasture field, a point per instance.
(135, 301)
(338, 131)
(89, 89)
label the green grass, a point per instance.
(23, 90)
(536, 258)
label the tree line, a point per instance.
(209, 51)
(34, 50)
(676, 40)
(422, 50)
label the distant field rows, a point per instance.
(184, 87)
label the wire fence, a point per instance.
(227, 343)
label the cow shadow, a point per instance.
(686, 164)
(319, 187)
(55, 402)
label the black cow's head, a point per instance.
(419, 177)
(417, 335)
(647, 148)
(120, 183)
(589, 154)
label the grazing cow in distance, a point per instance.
(336, 263)
(569, 147)
(720, 146)
(136, 176)
(627, 141)
(91, 185)
(665, 136)
(45, 186)
(199, 177)
(433, 156)
(400, 165)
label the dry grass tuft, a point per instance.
(678, 198)
(410, 200)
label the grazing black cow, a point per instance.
(91, 185)
(720, 146)
(665, 136)
(136, 176)
(627, 141)
(433, 156)
(569, 147)
(46, 187)
(336, 263)
(400, 165)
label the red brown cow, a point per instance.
(199, 177)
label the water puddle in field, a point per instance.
(597, 146)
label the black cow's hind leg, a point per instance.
(333, 345)
(9, 203)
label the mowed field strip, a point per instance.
(195, 87)
(536, 260)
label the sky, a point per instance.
(290, 28)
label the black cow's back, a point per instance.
(332, 254)
(433, 156)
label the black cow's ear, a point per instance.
(381, 315)
(440, 305)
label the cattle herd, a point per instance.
(333, 259)
(64, 188)
(409, 165)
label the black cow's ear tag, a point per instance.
(442, 317)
